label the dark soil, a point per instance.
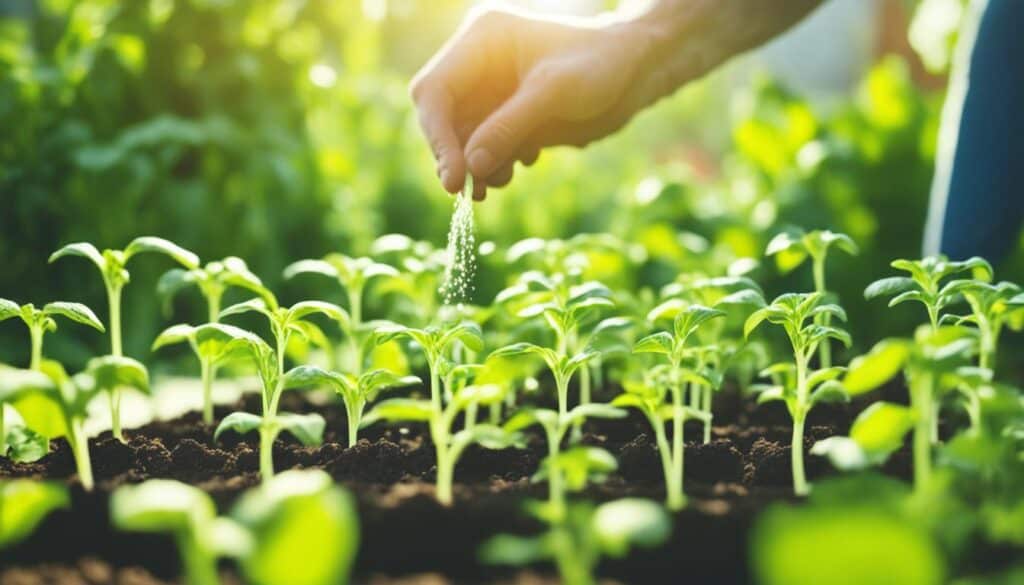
(407, 536)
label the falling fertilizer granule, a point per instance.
(460, 258)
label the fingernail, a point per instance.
(481, 162)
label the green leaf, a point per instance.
(487, 436)
(660, 342)
(525, 418)
(783, 241)
(307, 428)
(579, 465)
(878, 366)
(161, 505)
(745, 297)
(83, 249)
(310, 267)
(305, 530)
(630, 522)
(15, 384)
(755, 319)
(239, 422)
(9, 309)
(380, 379)
(910, 295)
(311, 377)
(830, 391)
(400, 410)
(112, 372)
(517, 551)
(593, 410)
(482, 394)
(24, 504)
(468, 333)
(249, 306)
(173, 335)
(306, 308)
(26, 445)
(880, 429)
(770, 394)
(824, 375)
(162, 246)
(173, 281)
(75, 311)
(892, 285)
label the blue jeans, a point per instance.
(984, 208)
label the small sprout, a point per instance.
(41, 321)
(353, 274)
(794, 383)
(24, 504)
(926, 283)
(212, 280)
(67, 399)
(296, 510)
(993, 306)
(793, 247)
(577, 539)
(566, 470)
(355, 392)
(877, 432)
(112, 266)
(449, 444)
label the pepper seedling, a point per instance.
(67, 398)
(566, 469)
(791, 248)
(577, 540)
(24, 504)
(213, 281)
(112, 266)
(353, 274)
(796, 384)
(307, 428)
(355, 391)
(41, 321)
(448, 444)
(296, 510)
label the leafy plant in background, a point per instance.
(55, 404)
(795, 383)
(576, 539)
(353, 274)
(225, 340)
(41, 321)
(571, 469)
(992, 307)
(448, 443)
(792, 248)
(24, 504)
(213, 281)
(112, 266)
(296, 510)
(355, 391)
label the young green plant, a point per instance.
(353, 274)
(296, 510)
(577, 539)
(448, 443)
(792, 248)
(284, 322)
(795, 383)
(24, 504)
(112, 266)
(59, 402)
(213, 281)
(41, 321)
(993, 307)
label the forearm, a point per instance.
(685, 39)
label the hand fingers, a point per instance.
(501, 135)
(435, 110)
(501, 177)
(529, 156)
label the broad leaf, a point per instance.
(660, 342)
(173, 335)
(400, 410)
(307, 428)
(161, 505)
(312, 376)
(9, 309)
(249, 306)
(630, 522)
(83, 249)
(593, 410)
(239, 422)
(26, 445)
(25, 503)
(118, 371)
(310, 267)
(162, 246)
(517, 551)
(879, 365)
(76, 312)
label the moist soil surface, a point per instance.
(407, 538)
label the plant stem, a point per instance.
(921, 399)
(556, 493)
(577, 429)
(207, 372)
(445, 477)
(355, 415)
(495, 413)
(114, 396)
(3, 432)
(200, 567)
(80, 450)
(571, 565)
(36, 333)
(674, 498)
(471, 413)
(355, 305)
(562, 385)
(114, 303)
(824, 319)
(266, 452)
(678, 446)
(800, 486)
(706, 408)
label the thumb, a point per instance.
(496, 141)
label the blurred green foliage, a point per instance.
(280, 129)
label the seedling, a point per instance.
(355, 391)
(792, 248)
(933, 362)
(577, 540)
(993, 306)
(422, 268)
(448, 444)
(297, 510)
(926, 283)
(41, 321)
(795, 383)
(352, 274)
(112, 266)
(24, 504)
(226, 340)
(68, 398)
(568, 470)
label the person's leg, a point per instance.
(978, 195)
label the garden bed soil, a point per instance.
(407, 537)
